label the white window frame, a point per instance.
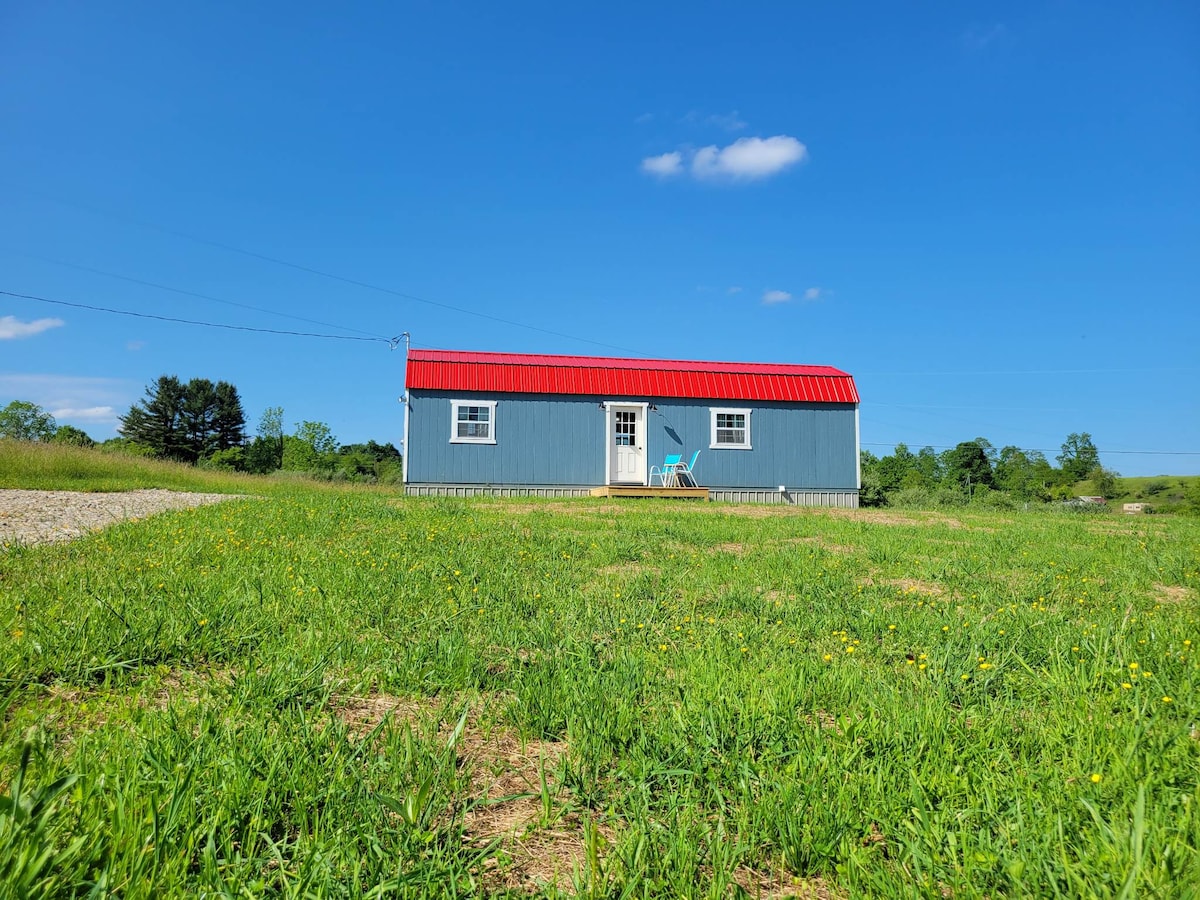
(456, 405)
(724, 410)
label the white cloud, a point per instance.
(102, 414)
(134, 346)
(748, 158)
(812, 293)
(771, 297)
(664, 165)
(644, 118)
(736, 289)
(12, 328)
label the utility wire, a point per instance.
(391, 342)
(335, 277)
(186, 293)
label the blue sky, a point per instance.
(988, 213)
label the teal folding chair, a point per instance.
(685, 472)
(666, 471)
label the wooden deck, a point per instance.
(637, 490)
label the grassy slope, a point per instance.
(867, 704)
(31, 466)
(1165, 493)
(58, 467)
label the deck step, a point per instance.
(637, 490)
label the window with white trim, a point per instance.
(730, 429)
(472, 421)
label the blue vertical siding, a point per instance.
(539, 440)
(548, 439)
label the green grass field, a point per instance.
(346, 693)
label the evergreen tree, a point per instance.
(156, 421)
(199, 411)
(186, 422)
(230, 420)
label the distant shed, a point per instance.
(504, 423)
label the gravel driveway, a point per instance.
(43, 517)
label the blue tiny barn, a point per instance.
(504, 423)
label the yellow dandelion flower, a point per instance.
(827, 657)
(1096, 776)
(1126, 685)
(1167, 700)
(922, 666)
(1133, 665)
(985, 665)
(966, 677)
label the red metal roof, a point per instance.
(463, 370)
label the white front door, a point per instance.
(627, 444)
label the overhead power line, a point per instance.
(391, 342)
(187, 293)
(366, 285)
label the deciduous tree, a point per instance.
(1079, 456)
(75, 437)
(25, 421)
(311, 449)
(967, 464)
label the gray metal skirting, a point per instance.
(843, 499)
(497, 490)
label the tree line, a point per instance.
(976, 470)
(201, 422)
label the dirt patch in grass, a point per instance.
(770, 886)
(516, 798)
(822, 719)
(362, 715)
(734, 547)
(1172, 593)
(907, 585)
(513, 796)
